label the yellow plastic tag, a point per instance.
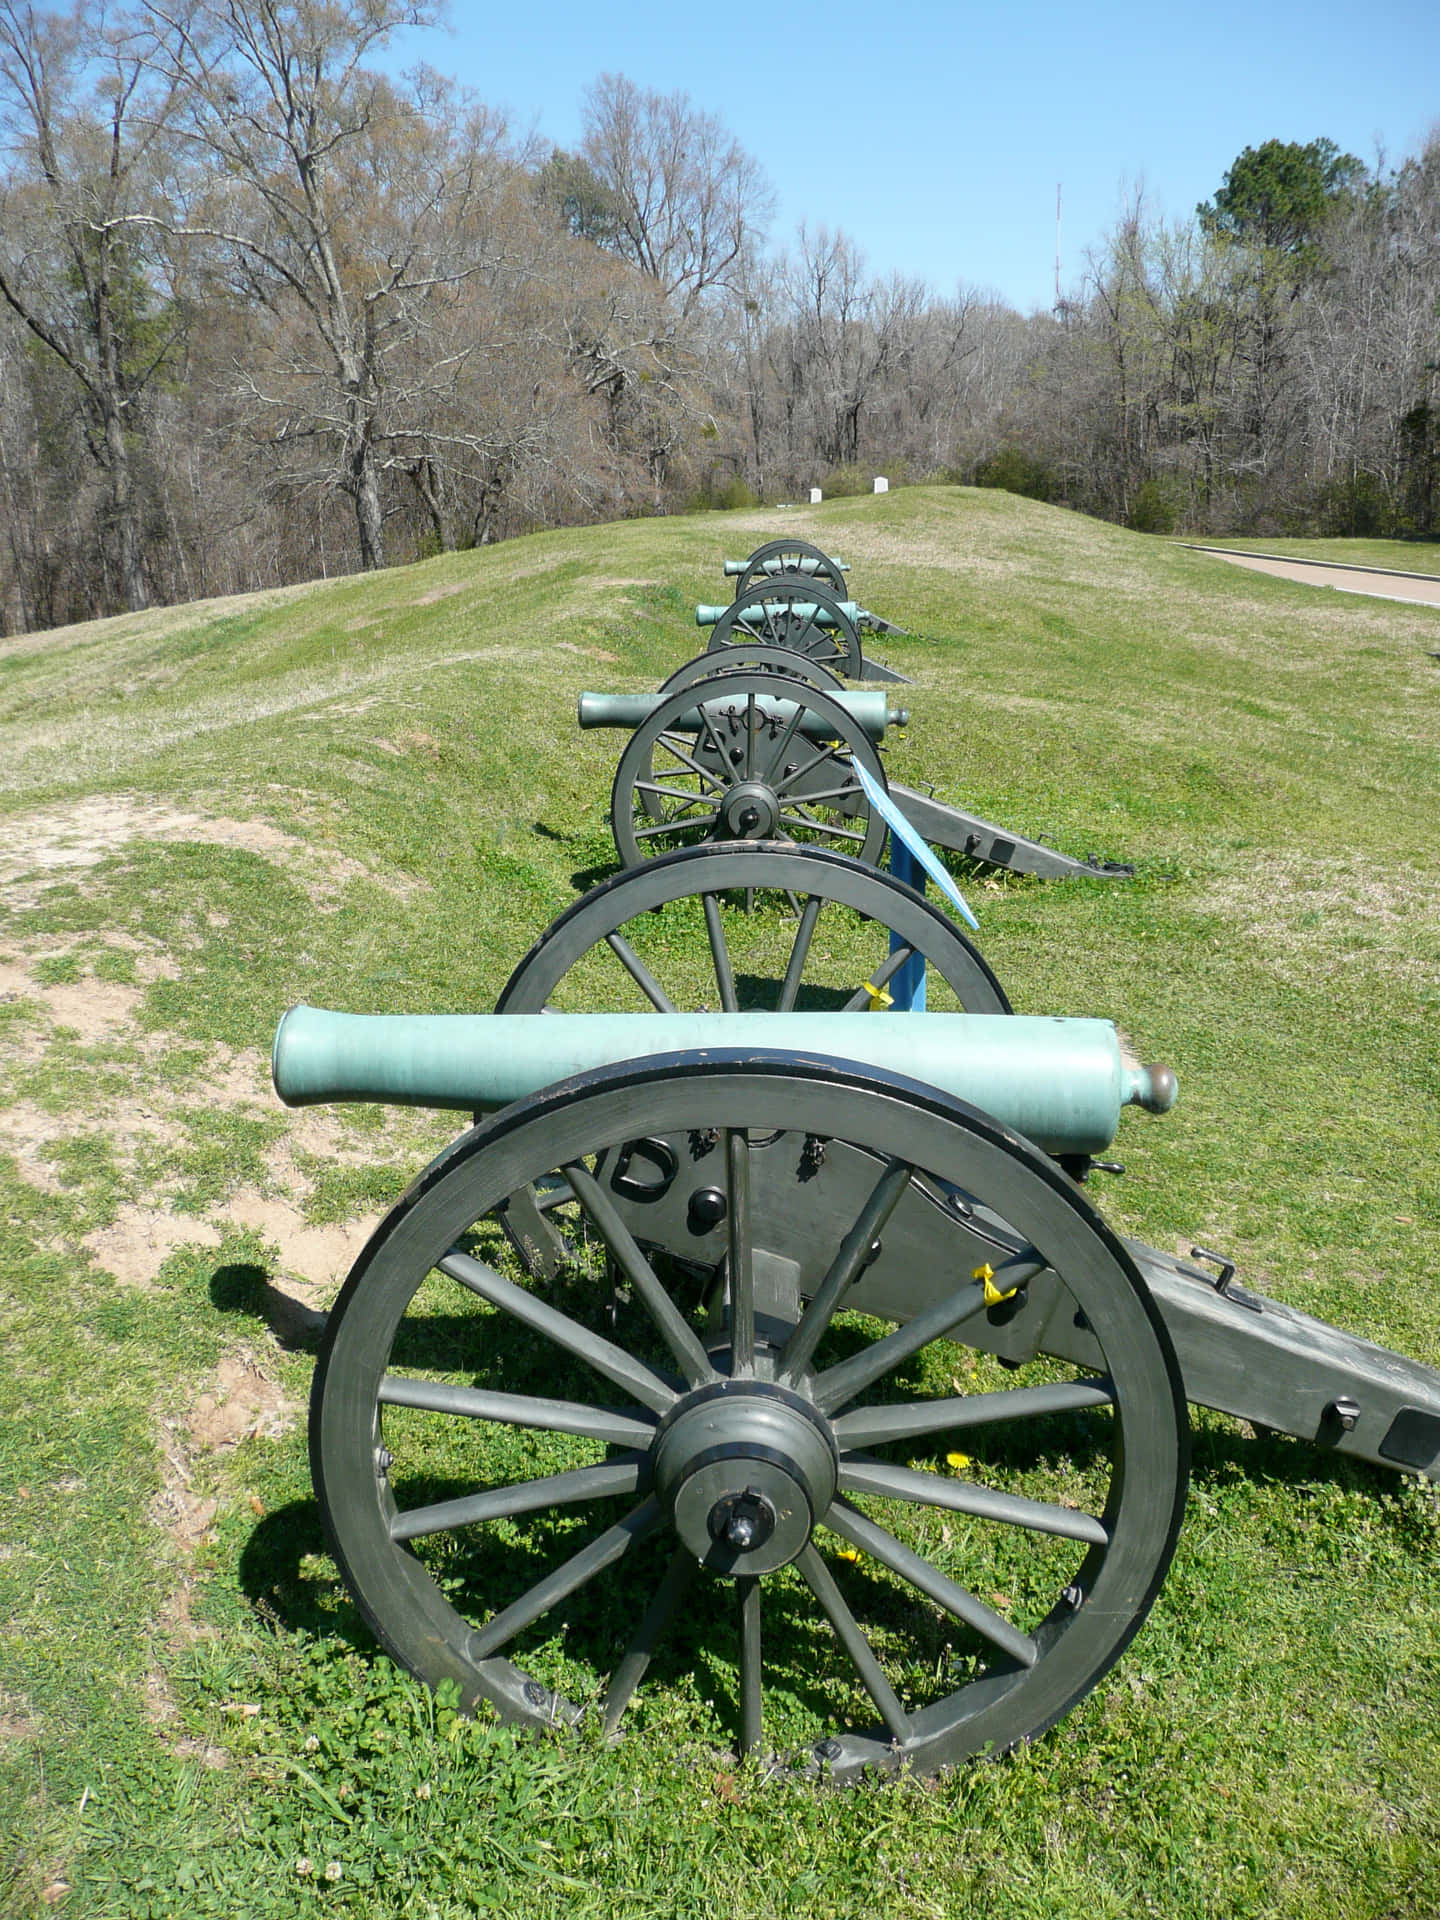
(993, 1294)
(879, 998)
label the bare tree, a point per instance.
(688, 203)
(85, 115)
(346, 207)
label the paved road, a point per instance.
(1326, 573)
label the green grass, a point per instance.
(370, 795)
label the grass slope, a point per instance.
(370, 794)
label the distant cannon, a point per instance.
(790, 557)
(802, 612)
(734, 774)
(748, 755)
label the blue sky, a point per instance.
(936, 135)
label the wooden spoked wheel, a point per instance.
(797, 613)
(746, 1473)
(754, 656)
(791, 556)
(670, 936)
(750, 770)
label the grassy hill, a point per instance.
(371, 794)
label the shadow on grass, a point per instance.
(246, 1289)
(286, 1573)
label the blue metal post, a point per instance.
(907, 987)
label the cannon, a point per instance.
(678, 783)
(800, 557)
(789, 557)
(798, 612)
(745, 755)
(835, 1344)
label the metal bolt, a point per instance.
(1344, 1413)
(708, 1207)
(384, 1460)
(742, 1530)
(1074, 1598)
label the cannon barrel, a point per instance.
(782, 610)
(870, 711)
(1061, 1082)
(804, 564)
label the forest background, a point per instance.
(269, 313)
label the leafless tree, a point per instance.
(347, 207)
(689, 204)
(84, 115)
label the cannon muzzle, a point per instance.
(870, 711)
(1060, 1082)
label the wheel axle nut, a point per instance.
(743, 1520)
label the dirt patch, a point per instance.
(16, 1722)
(139, 1241)
(441, 593)
(243, 1403)
(95, 829)
(319, 1257)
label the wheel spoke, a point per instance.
(833, 832)
(639, 973)
(597, 1352)
(870, 1426)
(850, 1259)
(863, 1475)
(749, 735)
(863, 996)
(717, 747)
(615, 1542)
(517, 1410)
(853, 1526)
(600, 1482)
(675, 1329)
(783, 787)
(741, 1265)
(840, 1384)
(720, 953)
(803, 935)
(668, 792)
(848, 790)
(648, 1635)
(821, 1583)
(751, 1692)
(680, 824)
(671, 742)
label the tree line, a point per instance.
(267, 313)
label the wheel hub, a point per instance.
(750, 811)
(745, 1469)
